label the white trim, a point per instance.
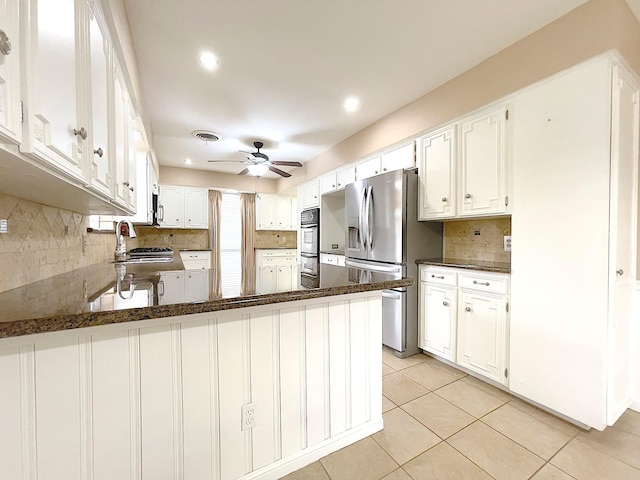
(309, 455)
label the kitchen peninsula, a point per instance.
(237, 386)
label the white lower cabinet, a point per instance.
(183, 286)
(332, 259)
(277, 270)
(196, 259)
(464, 318)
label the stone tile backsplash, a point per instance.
(176, 238)
(43, 241)
(461, 241)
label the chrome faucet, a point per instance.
(121, 247)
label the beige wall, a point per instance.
(44, 241)
(593, 28)
(190, 177)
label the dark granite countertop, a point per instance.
(500, 267)
(114, 293)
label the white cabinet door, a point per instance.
(195, 208)
(438, 320)
(482, 328)
(100, 160)
(267, 281)
(310, 194)
(284, 218)
(328, 183)
(118, 141)
(284, 278)
(171, 288)
(483, 179)
(437, 171)
(368, 167)
(266, 212)
(399, 158)
(171, 203)
(196, 285)
(53, 114)
(10, 111)
(345, 176)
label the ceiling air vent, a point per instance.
(206, 136)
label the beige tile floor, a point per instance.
(440, 423)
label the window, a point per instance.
(231, 244)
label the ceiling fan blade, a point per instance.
(287, 164)
(244, 172)
(279, 172)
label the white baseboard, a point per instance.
(287, 465)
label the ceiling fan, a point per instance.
(258, 163)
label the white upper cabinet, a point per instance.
(56, 128)
(399, 157)
(328, 183)
(483, 177)
(195, 208)
(345, 176)
(183, 207)
(310, 194)
(463, 167)
(10, 113)
(275, 212)
(368, 167)
(118, 141)
(437, 171)
(100, 161)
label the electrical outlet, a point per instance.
(4, 226)
(507, 243)
(248, 414)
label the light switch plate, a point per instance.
(4, 226)
(507, 243)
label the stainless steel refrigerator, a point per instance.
(383, 236)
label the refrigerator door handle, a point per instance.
(374, 267)
(361, 218)
(368, 216)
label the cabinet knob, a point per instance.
(5, 44)
(467, 309)
(446, 304)
(444, 199)
(99, 152)
(338, 183)
(82, 132)
(620, 272)
(131, 188)
(468, 195)
(333, 186)
(384, 169)
(126, 184)
(376, 172)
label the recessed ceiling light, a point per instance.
(188, 161)
(351, 104)
(208, 60)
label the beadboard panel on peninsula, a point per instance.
(163, 398)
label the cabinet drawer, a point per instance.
(331, 259)
(485, 282)
(188, 255)
(278, 253)
(441, 276)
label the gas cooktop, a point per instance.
(151, 252)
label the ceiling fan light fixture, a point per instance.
(258, 169)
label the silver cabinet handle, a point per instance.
(468, 195)
(160, 290)
(467, 309)
(444, 199)
(99, 152)
(131, 188)
(5, 43)
(620, 272)
(441, 277)
(161, 207)
(446, 304)
(82, 132)
(486, 284)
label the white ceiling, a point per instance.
(286, 66)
